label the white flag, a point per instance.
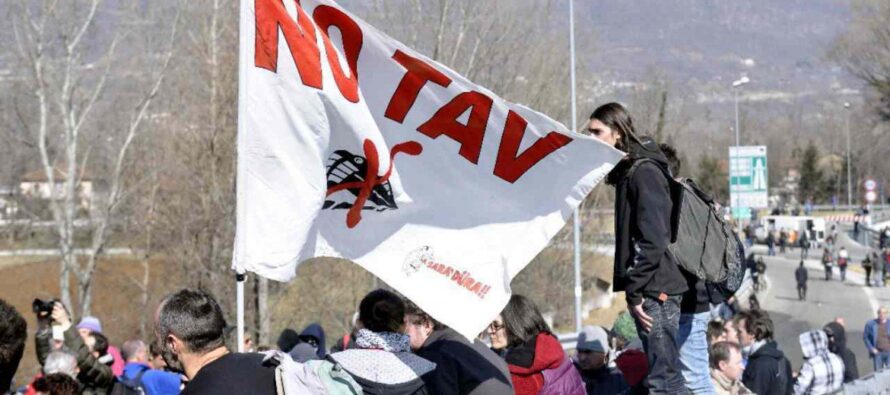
(353, 145)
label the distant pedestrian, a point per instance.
(882, 239)
(783, 240)
(827, 263)
(804, 245)
(886, 266)
(770, 243)
(856, 227)
(877, 339)
(801, 276)
(867, 265)
(843, 259)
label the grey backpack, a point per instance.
(702, 242)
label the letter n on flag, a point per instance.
(352, 145)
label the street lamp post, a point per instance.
(576, 217)
(736, 85)
(849, 167)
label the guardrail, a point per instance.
(875, 383)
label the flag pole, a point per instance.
(576, 214)
(243, 45)
(239, 294)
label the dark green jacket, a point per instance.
(95, 377)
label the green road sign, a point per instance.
(748, 179)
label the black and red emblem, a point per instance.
(359, 176)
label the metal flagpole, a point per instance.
(575, 215)
(243, 58)
(239, 294)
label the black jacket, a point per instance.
(604, 381)
(463, 367)
(801, 275)
(837, 344)
(768, 371)
(234, 373)
(643, 205)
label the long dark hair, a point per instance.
(522, 320)
(617, 118)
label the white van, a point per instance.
(815, 227)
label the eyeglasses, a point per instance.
(496, 326)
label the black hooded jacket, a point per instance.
(768, 371)
(837, 344)
(643, 205)
(315, 331)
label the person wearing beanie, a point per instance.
(625, 330)
(592, 362)
(89, 325)
(628, 354)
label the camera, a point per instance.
(46, 306)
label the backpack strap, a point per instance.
(138, 380)
(638, 162)
(675, 190)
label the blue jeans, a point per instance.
(881, 360)
(661, 346)
(694, 352)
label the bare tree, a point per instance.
(55, 40)
(864, 49)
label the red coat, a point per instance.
(548, 356)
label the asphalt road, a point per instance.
(825, 301)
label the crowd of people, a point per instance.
(397, 348)
(680, 334)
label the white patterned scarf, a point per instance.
(386, 341)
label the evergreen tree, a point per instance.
(713, 179)
(811, 182)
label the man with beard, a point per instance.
(189, 325)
